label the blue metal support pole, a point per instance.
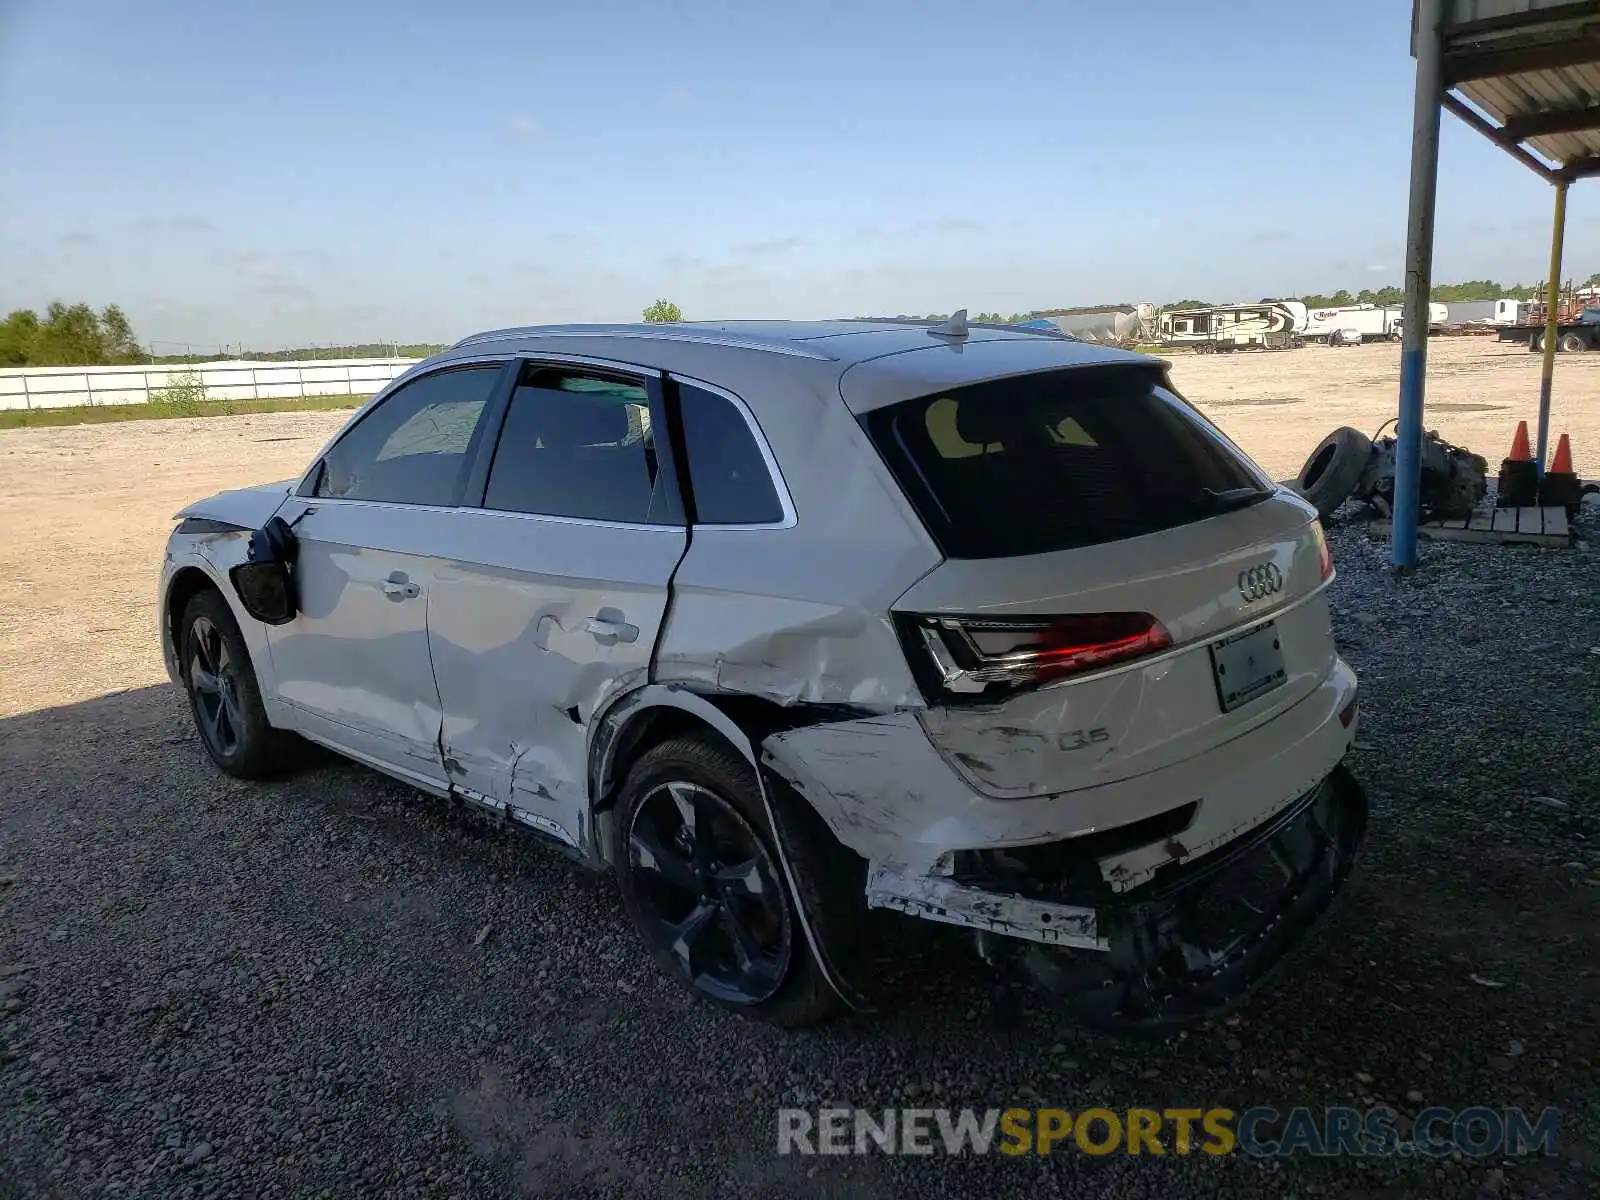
(1419, 280)
(1547, 369)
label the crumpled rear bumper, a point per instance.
(1197, 938)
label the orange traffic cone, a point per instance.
(1560, 486)
(1519, 445)
(1519, 474)
(1562, 464)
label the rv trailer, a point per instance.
(1222, 328)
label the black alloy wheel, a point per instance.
(710, 893)
(214, 663)
(214, 685)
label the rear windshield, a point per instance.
(1058, 460)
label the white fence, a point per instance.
(62, 387)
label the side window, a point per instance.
(732, 485)
(578, 444)
(412, 448)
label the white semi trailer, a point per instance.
(1369, 322)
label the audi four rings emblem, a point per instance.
(1259, 582)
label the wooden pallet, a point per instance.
(1535, 526)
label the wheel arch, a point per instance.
(646, 717)
(655, 712)
(193, 574)
(187, 582)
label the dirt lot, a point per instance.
(213, 988)
(1278, 406)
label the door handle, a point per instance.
(399, 587)
(607, 627)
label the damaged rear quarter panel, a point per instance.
(800, 614)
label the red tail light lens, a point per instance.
(1324, 555)
(977, 654)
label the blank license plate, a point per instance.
(1247, 665)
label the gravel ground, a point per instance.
(334, 986)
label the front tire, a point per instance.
(224, 695)
(703, 885)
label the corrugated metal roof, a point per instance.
(1533, 68)
(1463, 11)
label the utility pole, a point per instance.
(1419, 279)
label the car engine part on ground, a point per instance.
(1331, 473)
(1453, 480)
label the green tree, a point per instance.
(116, 335)
(17, 334)
(70, 335)
(663, 312)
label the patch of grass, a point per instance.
(178, 402)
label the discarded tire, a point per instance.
(1330, 474)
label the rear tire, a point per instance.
(702, 883)
(1573, 343)
(224, 695)
(1334, 468)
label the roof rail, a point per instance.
(934, 326)
(663, 333)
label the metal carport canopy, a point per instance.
(1525, 74)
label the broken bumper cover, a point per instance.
(1190, 943)
(887, 794)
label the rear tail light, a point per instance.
(983, 654)
(1324, 555)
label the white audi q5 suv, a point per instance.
(784, 621)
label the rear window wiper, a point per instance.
(1229, 500)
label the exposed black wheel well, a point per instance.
(186, 585)
(757, 718)
(645, 729)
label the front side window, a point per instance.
(579, 444)
(732, 485)
(412, 448)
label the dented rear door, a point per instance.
(555, 595)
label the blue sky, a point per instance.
(285, 173)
